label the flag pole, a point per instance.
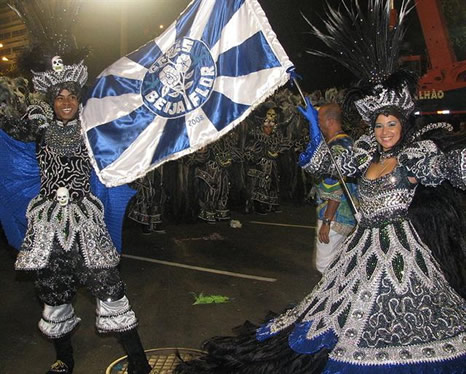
(340, 175)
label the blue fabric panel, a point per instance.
(19, 183)
(221, 110)
(299, 343)
(110, 140)
(185, 21)
(146, 55)
(455, 366)
(174, 139)
(112, 85)
(232, 63)
(224, 10)
(115, 201)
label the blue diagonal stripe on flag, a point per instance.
(214, 27)
(183, 90)
(146, 55)
(112, 85)
(260, 56)
(174, 139)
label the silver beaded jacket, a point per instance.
(59, 223)
(384, 299)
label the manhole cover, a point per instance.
(162, 360)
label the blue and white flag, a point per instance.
(183, 90)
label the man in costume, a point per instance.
(213, 179)
(265, 146)
(66, 242)
(335, 219)
(146, 208)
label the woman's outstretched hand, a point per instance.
(310, 113)
(315, 137)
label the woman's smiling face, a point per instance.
(387, 131)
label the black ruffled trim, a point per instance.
(244, 354)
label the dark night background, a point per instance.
(99, 28)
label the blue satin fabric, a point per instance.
(146, 55)
(110, 140)
(260, 56)
(112, 85)
(174, 139)
(298, 342)
(221, 110)
(115, 201)
(456, 366)
(185, 21)
(214, 27)
(297, 338)
(20, 182)
(311, 148)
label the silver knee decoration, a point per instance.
(58, 320)
(115, 316)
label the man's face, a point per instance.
(267, 127)
(65, 105)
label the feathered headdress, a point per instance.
(368, 44)
(53, 56)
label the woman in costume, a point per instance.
(66, 243)
(385, 304)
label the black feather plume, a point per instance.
(49, 23)
(363, 42)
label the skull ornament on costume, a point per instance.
(63, 196)
(271, 115)
(57, 64)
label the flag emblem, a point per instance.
(183, 90)
(181, 80)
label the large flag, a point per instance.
(183, 90)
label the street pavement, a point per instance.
(266, 265)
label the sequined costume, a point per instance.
(67, 242)
(212, 173)
(264, 178)
(384, 302)
(146, 207)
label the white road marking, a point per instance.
(199, 268)
(282, 224)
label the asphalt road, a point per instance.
(264, 265)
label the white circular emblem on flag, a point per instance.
(181, 80)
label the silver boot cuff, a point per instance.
(58, 321)
(115, 316)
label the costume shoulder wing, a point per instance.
(363, 149)
(19, 183)
(430, 166)
(319, 162)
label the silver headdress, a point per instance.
(367, 43)
(383, 97)
(59, 74)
